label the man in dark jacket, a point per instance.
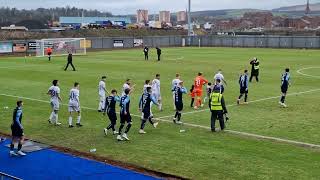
(218, 109)
(146, 53)
(17, 130)
(255, 66)
(158, 53)
(70, 62)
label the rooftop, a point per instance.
(88, 20)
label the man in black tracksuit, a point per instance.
(146, 53)
(69, 62)
(255, 66)
(17, 130)
(158, 53)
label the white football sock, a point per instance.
(70, 120)
(51, 116)
(78, 120)
(53, 120)
(57, 117)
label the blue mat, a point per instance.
(49, 164)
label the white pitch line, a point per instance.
(297, 143)
(301, 73)
(39, 100)
(254, 101)
(19, 67)
(175, 59)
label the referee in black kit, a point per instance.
(158, 53)
(69, 62)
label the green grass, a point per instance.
(197, 154)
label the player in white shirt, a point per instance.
(220, 76)
(127, 85)
(54, 93)
(102, 93)
(156, 93)
(175, 83)
(74, 104)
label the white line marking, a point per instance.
(304, 74)
(39, 100)
(254, 101)
(297, 143)
(175, 59)
(18, 67)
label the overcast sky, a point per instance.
(130, 6)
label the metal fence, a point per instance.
(307, 42)
(257, 41)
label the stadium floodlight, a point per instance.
(189, 19)
(190, 29)
(62, 46)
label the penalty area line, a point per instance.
(297, 143)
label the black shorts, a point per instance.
(49, 53)
(125, 118)
(16, 131)
(255, 73)
(284, 89)
(146, 114)
(244, 90)
(112, 116)
(179, 106)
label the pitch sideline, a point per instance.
(297, 143)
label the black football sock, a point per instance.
(192, 101)
(240, 96)
(120, 128)
(176, 115)
(113, 127)
(150, 120)
(179, 116)
(19, 146)
(11, 146)
(245, 97)
(143, 123)
(128, 128)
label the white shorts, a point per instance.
(102, 98)
(74, 107)
(55, 105)
(157, 97)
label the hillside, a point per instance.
(313, 7)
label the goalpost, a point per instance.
(62, 46)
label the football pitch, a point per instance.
(262, 141)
